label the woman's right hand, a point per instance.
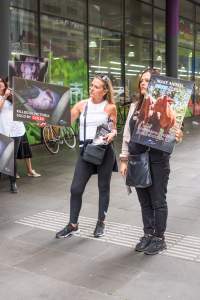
(123, 167)
(7, 93)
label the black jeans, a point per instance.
(153, 199)
(83, 172)
(16, 148)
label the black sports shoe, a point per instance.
(144, 243)
(67, 231)
(13, 188)
(157, 245)
(99, 230)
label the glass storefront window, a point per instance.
(185, 63)
(197, 43)
(105, 56)
(159, 57)
(138, 21)
(70, 9)
(160, 3)
(25, 4)
(138, 58)
(23, 32)
(159, 25)
(187, 9)
(186, 33)
(198, 14)
(106, 14)
(64, 44)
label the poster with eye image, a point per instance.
(6, 155)
(162, 112)
(27, 69)
(35, 101)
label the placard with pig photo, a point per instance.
(41, 102)
(162, 111)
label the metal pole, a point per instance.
(172, 30)
(5, 34)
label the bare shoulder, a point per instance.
(80, 105)
(111, 107)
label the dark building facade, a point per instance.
(116, 37)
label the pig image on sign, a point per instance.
(164, 112)
(45, 100)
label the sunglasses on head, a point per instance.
(102, 77)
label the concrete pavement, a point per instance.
(35, 265)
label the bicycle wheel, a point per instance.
(51, 139)
(69, 137)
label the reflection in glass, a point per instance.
(23, 32)
(64, 44)
(25, 4)
(105, 57)
(159, 57)
(70, 9)
(138, 21)
(160, 3)
(106, 14)
(135, 63)
(187, 9)
(185, 63)
(186, 33)
(159, 25)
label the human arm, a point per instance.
(126, 138)
(76, 110)
(112, 112)
(4, 97)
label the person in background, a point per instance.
(8, 127)
(24, 152)
(100, 109)
(152, 199)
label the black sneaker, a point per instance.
(13, 188)
(67, 231)
(144, 243)
(99, 230)
(157, 245)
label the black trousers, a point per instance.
(153, 199)
(83, 172)
(16, 148)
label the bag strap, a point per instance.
(85, 115)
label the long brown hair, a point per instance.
(109, 96)
(152, 71)
(5, 83)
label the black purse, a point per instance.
(92, 153)
(138, 171)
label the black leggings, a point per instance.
(16, 148)
(83, 172)
(153, 200)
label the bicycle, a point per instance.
(54, 136)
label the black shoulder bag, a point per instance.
(92, 153)
(138, 171)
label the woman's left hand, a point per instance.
(179, 135)
(109, 137)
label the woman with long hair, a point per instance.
(100, 109)
(8, 127)
(153, 198)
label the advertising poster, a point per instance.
(162, 112)
(6, 155)
(27, 67)
(36, 101)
